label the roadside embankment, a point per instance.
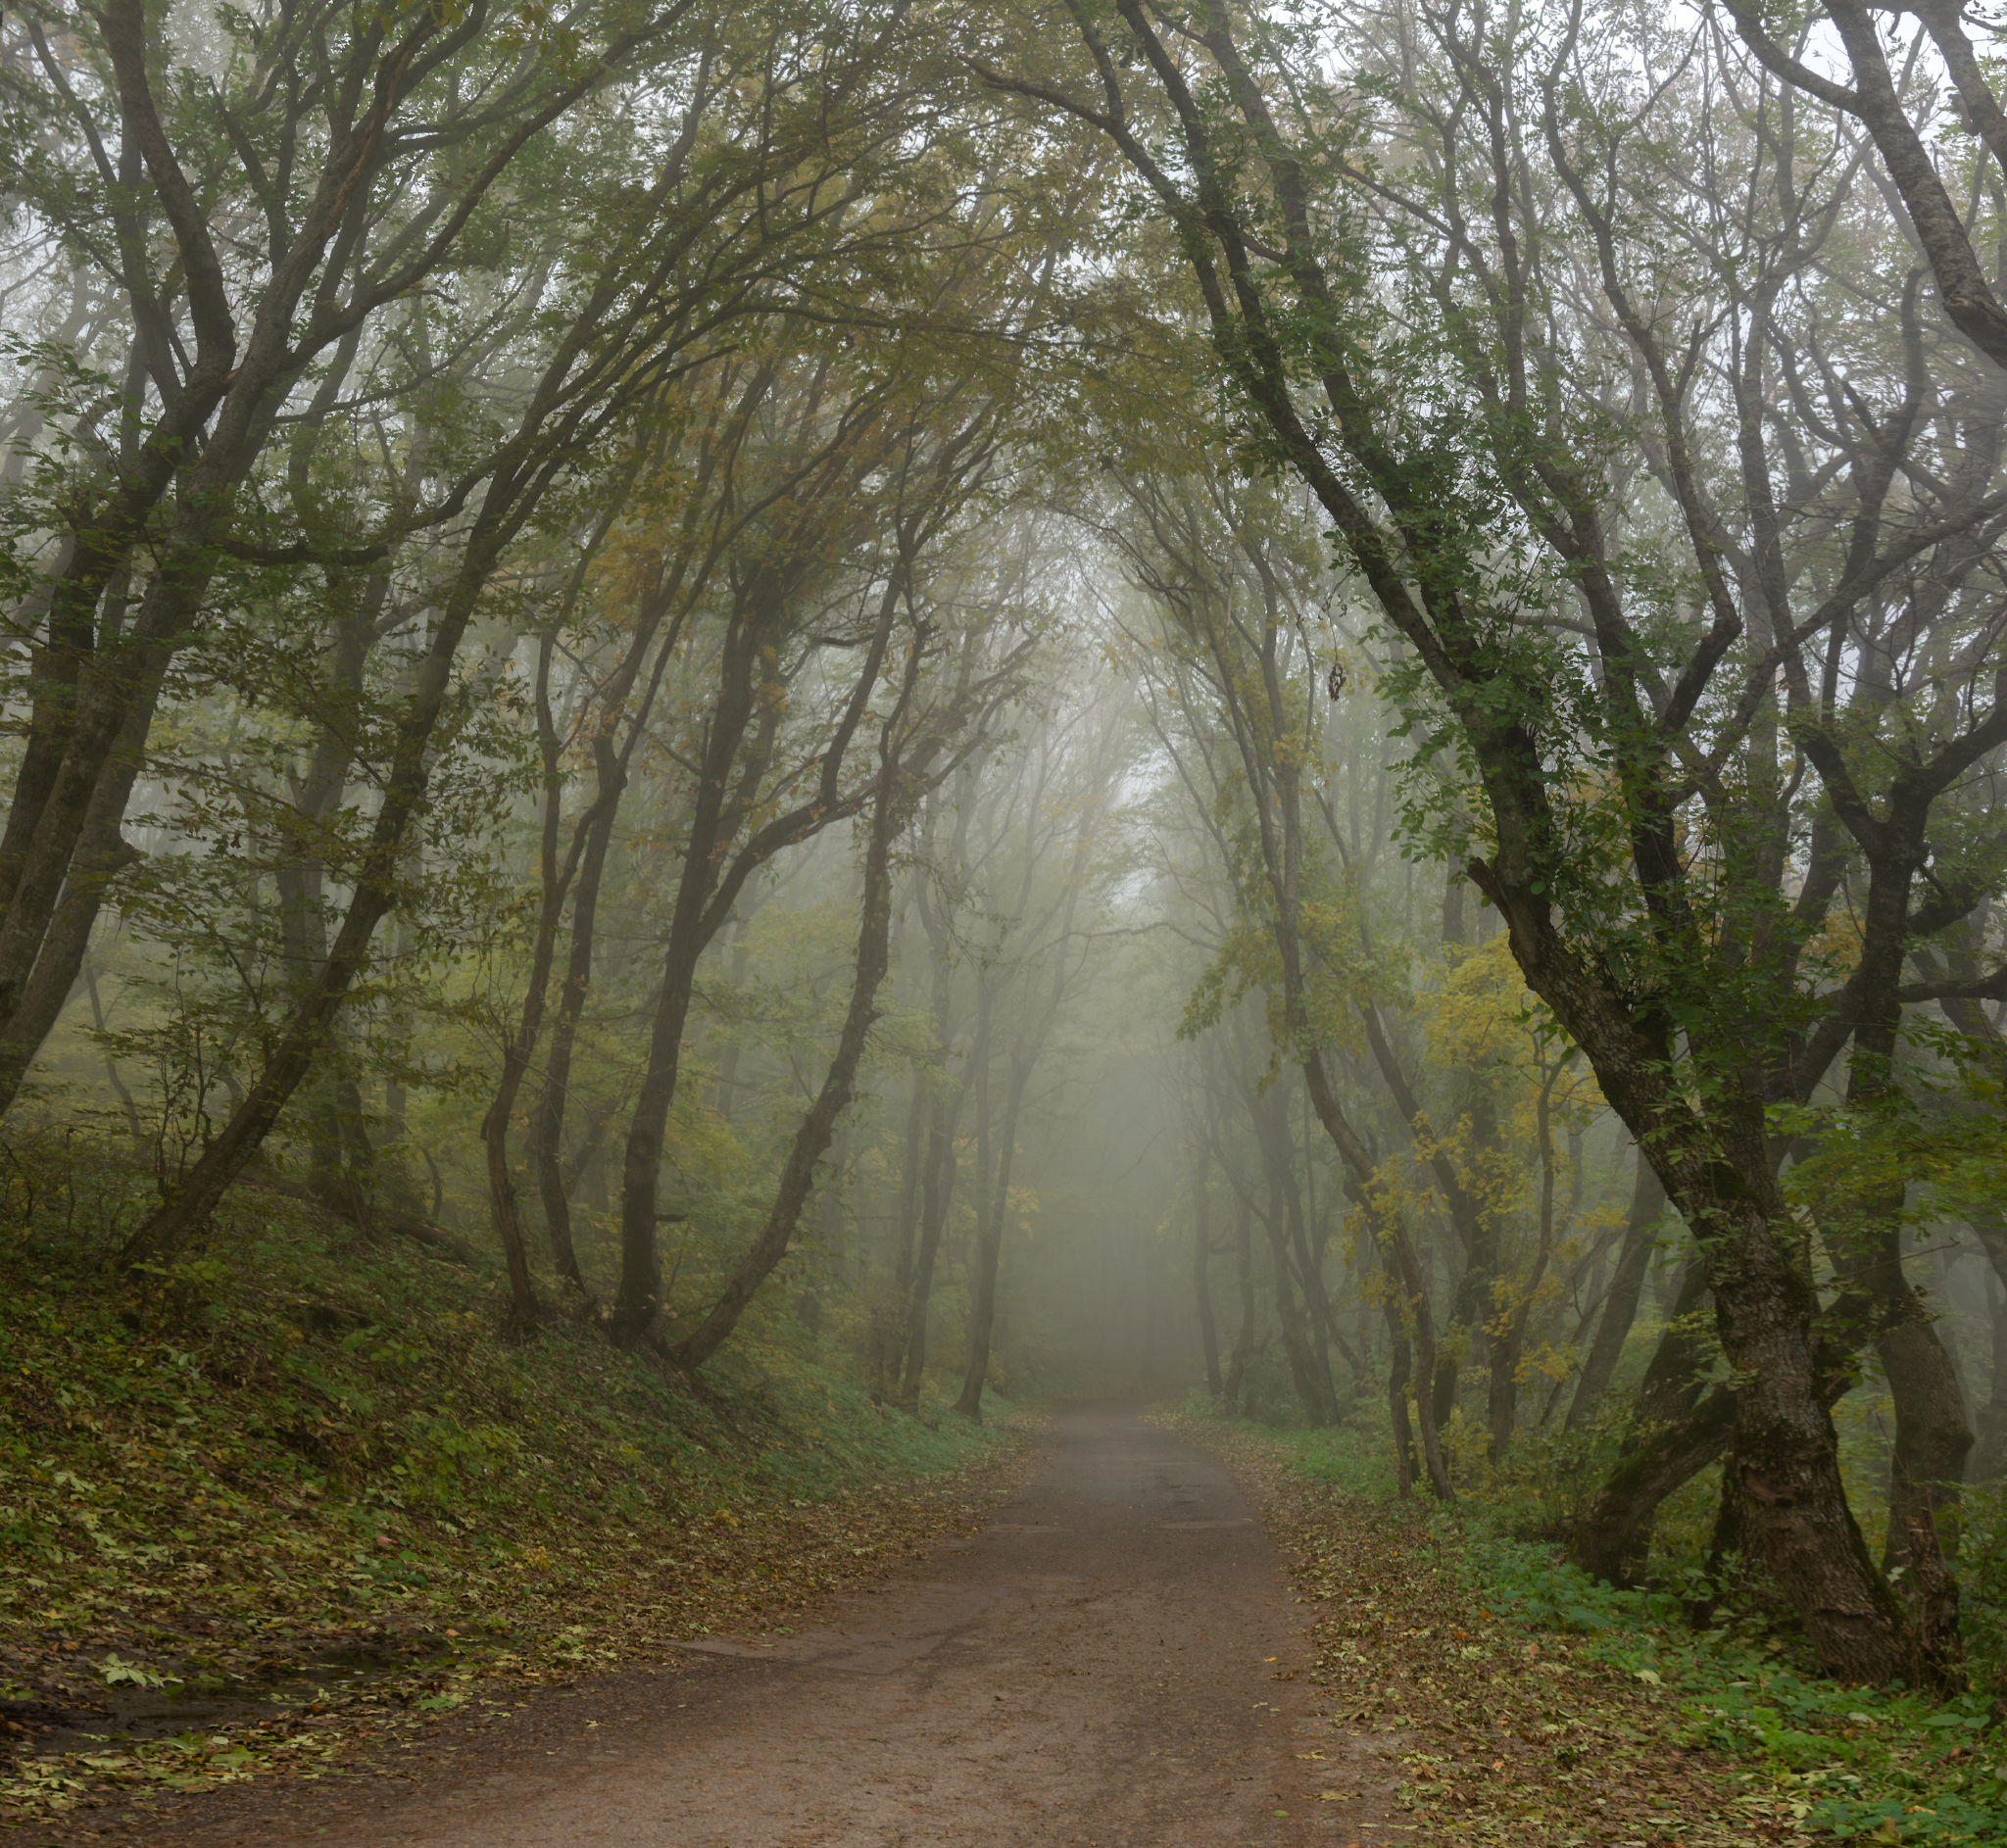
(297, 1493)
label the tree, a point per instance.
(366, 152)
(1587, 737)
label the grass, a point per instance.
(1849, 1764)
(300, 1486)
(1543, 1706)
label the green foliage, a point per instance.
(1848, 1764)
(1857, 1763)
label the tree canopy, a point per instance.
(822, 674)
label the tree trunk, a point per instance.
(1470, 1304)
(313, 1015)
(1510, 1346)
(728, 790)
(1399, 1375)
(1243, 1272)
(638, 1298)
(1201, 1255)
(1614, 1533)
(887, 1325)
(1398, 1256)
(1284, 1219)
(1989, 1453)
(1927, 1473)
(818, 1126)
(96, 855)
(113, 1075)
(1620, 1303)
(936, 1195)
(982, 1313)
(1926, 1467)
(547, 1128)
(1313, 1393)
(516, 1058)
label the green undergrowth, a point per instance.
(1857, 1764)
(303, 1465)
(1845, 1763)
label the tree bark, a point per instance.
(1620, 1301)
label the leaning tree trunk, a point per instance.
(313, 1014)
(1619, 1300)
(818, 1126)
(95, 858)
(1614, 1533)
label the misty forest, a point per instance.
(746, 743)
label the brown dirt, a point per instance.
(1117, 1659)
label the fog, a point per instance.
(1337, 757)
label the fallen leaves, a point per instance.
(322, 1544)
(1499, 1740)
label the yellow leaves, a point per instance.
(1476, 1017)
(1837, 947)
(1547, 1362)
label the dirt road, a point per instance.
(1101, 1667)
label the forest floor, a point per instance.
(1522, 1703)
(1114, 1659)
(1490, 1733)
(296, 1500)
(1150, 1642)
(443, 1591)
